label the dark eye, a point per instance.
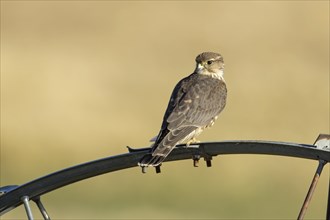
(209, 62)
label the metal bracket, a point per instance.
(322, 142)
(42, 208)
(311, 189)
(25, 200)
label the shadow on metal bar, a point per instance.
(13, 196)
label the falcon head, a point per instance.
(209, 63)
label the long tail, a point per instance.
(149, 160)
(156, 156)
(165, 145)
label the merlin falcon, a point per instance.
(195, 104)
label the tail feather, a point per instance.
(164, 144)
(149, 160)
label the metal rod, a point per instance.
(311, 189)
(328, 209)
(25, 200)
(42, 208)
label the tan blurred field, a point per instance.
(80, 80)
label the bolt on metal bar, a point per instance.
(311, 189)
(25, 200)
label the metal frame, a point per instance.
(13, 196)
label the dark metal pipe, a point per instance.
(36, 188)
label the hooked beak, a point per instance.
(199, 68)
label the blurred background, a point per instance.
(81, 80)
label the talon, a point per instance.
(144, 169)
(157, 169)
(208, 161)
(196, 160)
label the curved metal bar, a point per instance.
(43, 185)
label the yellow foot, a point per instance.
(192, 141)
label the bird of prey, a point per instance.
(195, 104)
